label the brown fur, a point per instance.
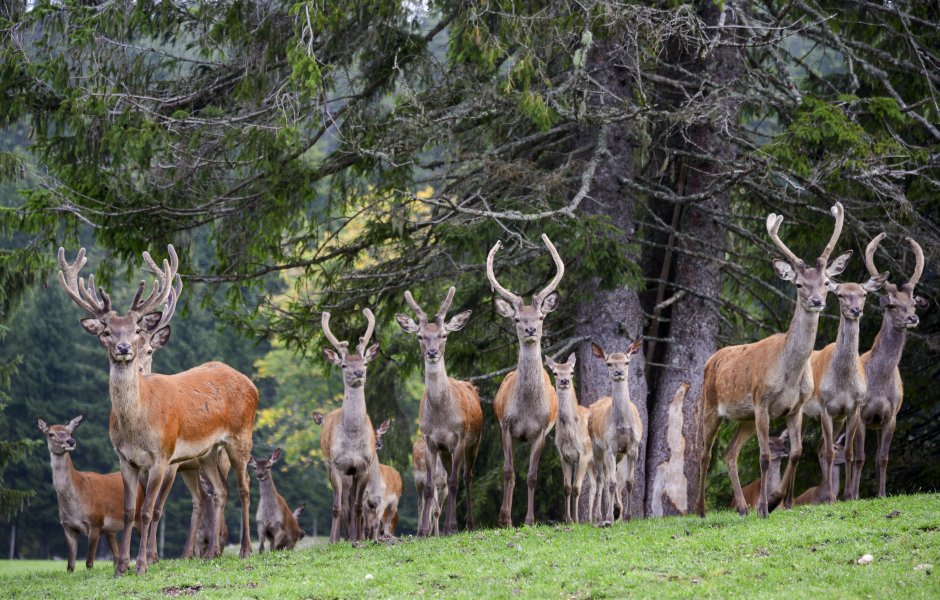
(330, 421)
(506, 388)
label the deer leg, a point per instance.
(262, 535)
(762, 427)
(419, 488)
(430, 471)
(788, 482)
(633, 455)
(359, 483)
(887, 432)
(130, 476)
(453, 479)
(741, 436)
(576, 485)
(610, 487)
(113, 544)
(509, 478)
(92, 547)
(191, 480)
(71, 546)
(336, 480)
(826, 455)
(152, 556)
(238, 454)
(710, 423)
(470, 459)
(155, 476)
(860, 432)
(566, 483)
(850, 434)
(538, 444)
(213, 503)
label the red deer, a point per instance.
(525, 404)
(450, 416)
(838, 376)
(89, 503)
(572, 439)
(348, 440)
(779, 449)
(616, 430)
(754, 383)
(162, 420)
(884, 392)
(822, 493)
(277, 523)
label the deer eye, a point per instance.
(149, 351)
(342, 366)
(51, 435)
(541, 317)
(137, 330)
(799, 285)
(106, 333)
(517, 319)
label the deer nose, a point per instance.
(529, 330)
(913, 320)
(70, 442)
(816, 302)
(855, 312)
(123, 348)
(432, 353)
(618, 373)
(359, 374)
(564, 382)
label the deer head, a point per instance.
(779, 446)
(618, 363)
(59, 437)
(852, 295)
(120, 335)
(262, 466)
(432, 335)
(563, 372)
(839, 446)
(353, 365)
(380, 431)
(899, 301)
(811, 282)
(528, 318)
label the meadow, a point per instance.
(802, 553)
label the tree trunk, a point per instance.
(693, 322)
(613, 317)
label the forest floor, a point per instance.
(802, 553)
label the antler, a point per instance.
(870, 255)
(170, 307)
(839, 214)
(559, 272)
(341, 347)
(918, 265)
(773, 227)
(492, 277)
(445, 305)
(364, 340)
(414, 306)
(86, 299)
(162, 287)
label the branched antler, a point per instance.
(162, 287)
(74, 286)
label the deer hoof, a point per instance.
(742, 511)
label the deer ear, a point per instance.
(150, 320)
(921, 302)
(383, 428)
(300, 510)
(458, 321)
(572, 359)
(74, 423)
(275, 455)
(406, 323)
(832, 285)
(371, 352)
(598, 351)
(504, 308)
(635, 346)
(160, 338)
(318, 418)
(252, 462)
(332, 356)
(838, 265)
(550, 303)
(875, 283)
(784, 270)
(551, 363)
(785, 435)
(43, 426)
(93, 326)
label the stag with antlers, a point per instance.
(450, 414)
(163, 420)
(754, 383)
(526, 405)
(885, 392)
(348, 440)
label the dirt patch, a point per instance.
(186, 590)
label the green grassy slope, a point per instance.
(805, 552)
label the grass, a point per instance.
(804, 553)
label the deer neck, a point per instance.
(124, 389)
(268, 495)
(530, 385)
(620, 398)
(62, 475)
(436, 384)
(886, 350)
(566, 405)
(845, 356)
(354, 407)
(800, 340)
(773, 474)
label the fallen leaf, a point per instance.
(866, 559)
